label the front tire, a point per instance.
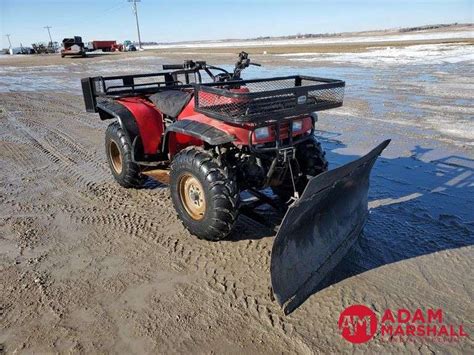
(204, 194)
(118, 149)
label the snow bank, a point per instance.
(325, 40)
(417, 54)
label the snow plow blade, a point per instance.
(319, 228)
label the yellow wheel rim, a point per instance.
(115, 157)
(192, 196)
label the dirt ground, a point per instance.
(88, 266)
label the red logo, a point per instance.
(358, 324)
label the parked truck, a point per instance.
(128, 46)
(73, 46)
(105, 46)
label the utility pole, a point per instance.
(10, 49)
(9, 42)
(49, 33)
(134, 7)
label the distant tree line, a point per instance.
(428, 27)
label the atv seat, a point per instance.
(171, 102)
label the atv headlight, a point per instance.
(262, 133)
(297, 125)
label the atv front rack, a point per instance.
(257, 100)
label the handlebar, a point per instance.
(242, 63)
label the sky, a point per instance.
(187, 20)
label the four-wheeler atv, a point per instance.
(211, 135)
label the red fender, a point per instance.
(149, 121)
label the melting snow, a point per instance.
(417, 54)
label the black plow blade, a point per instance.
(319, 229)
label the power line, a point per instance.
(134, 7)
(49, 33)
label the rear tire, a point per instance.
(204, 194)
(118, 149)
(312, 161)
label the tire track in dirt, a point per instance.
(25, 129)
(16, 153)
(50, 142)
(58, 139)
(69, 109)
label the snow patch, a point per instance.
(417, 54)
(326, 40)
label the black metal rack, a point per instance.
(137, 84)
(264, 99)
(233, 101)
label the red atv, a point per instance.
(224, 135)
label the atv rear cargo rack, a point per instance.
(137, 84)
(263, 99)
